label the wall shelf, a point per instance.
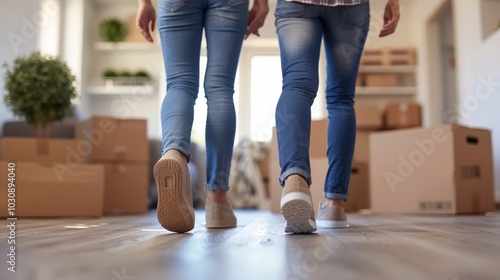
(120, 90)
(388, 69)
(379, 91)
(123, 46)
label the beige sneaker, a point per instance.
(219, 215)
(296, 206)
(331, 216)
(175, 199)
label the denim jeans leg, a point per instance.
(225, 26)
(180, 26)
(346, 28)
(299, 33)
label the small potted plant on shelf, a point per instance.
(142, 77)
(113, 30)
(109, 76)
(126, 78)
(40, 90)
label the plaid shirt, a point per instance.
(331, 3)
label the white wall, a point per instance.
(478, 74)
(477, 63)
(19, 37)
(404, 35)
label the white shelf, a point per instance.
(387, 69)
(120, 90)
(123, 46)
(395, 91)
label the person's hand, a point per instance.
(391, 18)
(146, 18)
(256, 17)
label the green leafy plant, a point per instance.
(125, 74)
(113, 30)
(142, 74)
(40, 90)
(110, 73)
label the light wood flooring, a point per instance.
(373, 247)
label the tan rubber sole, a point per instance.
(175, 204)
(221, 224)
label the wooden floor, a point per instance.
(373, 247)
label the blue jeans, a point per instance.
(300, 28)
(180, 23)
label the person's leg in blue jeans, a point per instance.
(300, 28)
(180, 25)
(346, 29)
(300, 31)
(225, 27)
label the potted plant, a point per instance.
(40, 90)
(142, 74)
(113, 30)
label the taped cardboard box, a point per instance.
(53, 191)
(402, 115)
(381, 80)
(113, 139)
(368, 116)
(126, 188)
(44, 151)
(441, 170)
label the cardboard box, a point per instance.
(402, 115)
(41, 150)
(360, 81)
(53, 191)
(359, 196)
(318, 140)
(264, 171)
(381, 80)
(274, 186)
(368, 116)
(362, 146)
(115, 139)
(359, 188)
(126, 188)
(441, 170)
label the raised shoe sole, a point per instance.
(331, 224)
(296, 209)
(175, 207)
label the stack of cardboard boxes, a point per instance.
(103, 171)
(121, 146)
(50, 179)
(439, 170)
(399, 167)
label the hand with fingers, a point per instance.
(391, 18)
(257, 16)
(145, 19)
